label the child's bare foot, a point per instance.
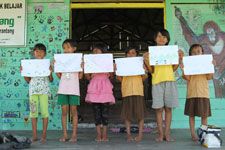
(138, 138)
(194, 137)
(129, 138)
(159, 138)
(168, 138)
(43, 140)
(73, 139)
(105, 139)
(34, 139)
(98, 138)
(63, 139)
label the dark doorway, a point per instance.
(118, 29)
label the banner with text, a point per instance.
(12, 23)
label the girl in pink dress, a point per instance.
(100, 95)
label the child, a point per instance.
(38, 93)
(133, 104)
(100, 94)
(197, 103)
(164, 88)
(69, 94)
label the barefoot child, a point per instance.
(197, 103)
(38, 93)
(100, 95)
(69, 94)
(164, 88)
(133, 104)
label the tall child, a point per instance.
(38, 93)
(100, 94)
(133, 104)
(197, 103)
(69, 94)
(164, 88)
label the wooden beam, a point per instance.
(116, 5)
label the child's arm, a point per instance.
(88, 76)
(111, 75)
(81, 74)
(59, 75)
(181, 55)
(119, 78)
(145, 76)
(146, 62)
(175, 67)
(27, 79)
(50, 77)
(209, 76)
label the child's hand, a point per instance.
(82, 65)
(182, 66)
(50, 68)
(214, 62)
(146, 56)
(114, 67)
(21, 68)
(145, 68)
(181, 55)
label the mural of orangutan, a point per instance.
(213, 42)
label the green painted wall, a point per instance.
(196, 15)
(48, 23)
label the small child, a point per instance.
(38, 93)
(100, 94)
(164, 88)
(197, 103)
(69, 94)
(133, 104)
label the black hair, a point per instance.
(165, 33)
(40, 46)
(130, 48)
(72, 42)
(195, 46)
(100, 46)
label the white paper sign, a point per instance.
(199, 64)
(129, 66)
(68, 62)
(98, 63)
(163, 55)
(12, 22)
(35, 67)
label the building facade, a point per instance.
(52, 21)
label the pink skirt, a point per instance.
(100, 90)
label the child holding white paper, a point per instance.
(100, 95)
(164, 88)
(133, 104)
(197, 103)
(38, 93)
(69, 94)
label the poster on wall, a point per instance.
(12, 23)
